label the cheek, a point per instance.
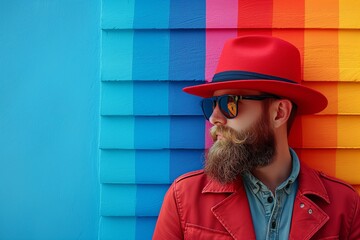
(245, 121)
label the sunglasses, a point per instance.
(228, 104)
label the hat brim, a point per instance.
(308, 101)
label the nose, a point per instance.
(217, 118)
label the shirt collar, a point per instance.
(256, 185)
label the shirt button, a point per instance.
(273, 224)
(270, 199)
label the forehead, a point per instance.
(236, 92)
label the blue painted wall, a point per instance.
(49, 118)
(151, 131)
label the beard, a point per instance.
(240, 152)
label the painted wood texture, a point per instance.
(151, 132)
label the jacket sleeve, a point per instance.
(355, 226)
(168, 225)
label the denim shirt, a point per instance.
(271, 214)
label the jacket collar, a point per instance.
(310, 184)
(239, 226)
(215, 187)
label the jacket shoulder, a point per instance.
(190, 176)
(332, 181)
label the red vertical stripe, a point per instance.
(255, 17)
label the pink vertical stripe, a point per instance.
(221, 24)
(221, 14)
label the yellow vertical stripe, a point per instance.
(349, 54)
(348, 165)
(349, 13)
(349, 98)
(348, 132)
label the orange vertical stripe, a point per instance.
(293, 32)
(320, 159)
(322, 14)
(321, 65)
(288, 14)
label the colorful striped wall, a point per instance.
(151, 132)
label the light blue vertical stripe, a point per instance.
(152, 166)
(149, 199)
(151, 55)
(145, 227)
(151, 98)
(152, 14)
(152, 132)
(117, 55)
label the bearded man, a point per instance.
(253, 185)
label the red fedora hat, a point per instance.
(266, 64)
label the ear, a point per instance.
(281, 112)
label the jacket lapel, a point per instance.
(308, 217)
(234, 211)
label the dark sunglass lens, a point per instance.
(207, 105)
(228, 106)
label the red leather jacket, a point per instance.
(196, 207)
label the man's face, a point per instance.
(240, 144)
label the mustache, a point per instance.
(228, 134)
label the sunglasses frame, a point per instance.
(216, 99)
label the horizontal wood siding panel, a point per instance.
(152, 132)
(166, 14)
(161, 132)
(132, 166)
(138, 228)
(179, 55)
(132, 200)
(318, 131)
(341, 163)
(148, 98)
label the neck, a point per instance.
(276, 172)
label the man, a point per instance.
(253, 185)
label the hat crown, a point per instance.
(261, 55)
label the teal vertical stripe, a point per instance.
(117, 14)
(123, 228)
(117, 166)
(117, 55)
(118, 200)
(117, 132)
(117, 98)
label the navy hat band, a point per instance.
(245, 75)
